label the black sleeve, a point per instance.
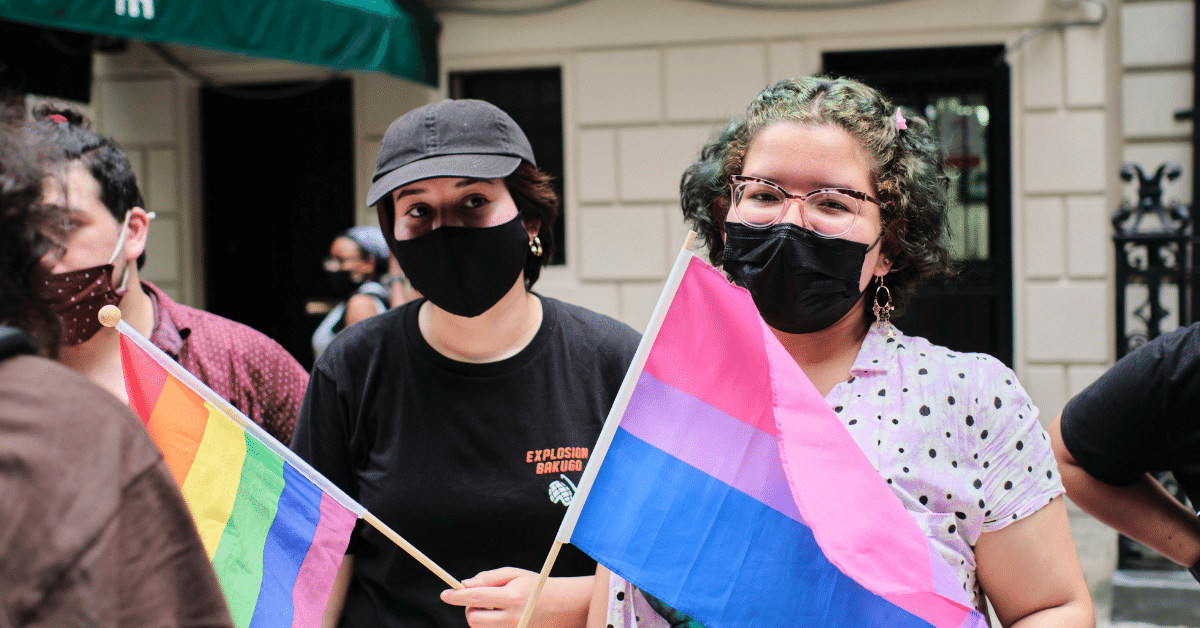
(324, 432)
(1130, 420)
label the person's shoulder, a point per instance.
(592, 327)
(367, 337)
(49, 383)
(49, 389)
(1177, 347)
(230, 335)
(958, 365)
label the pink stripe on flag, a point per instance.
(687, 341)
(881, 546)
(321, 564)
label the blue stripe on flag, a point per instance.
(714, 552)
(287, 544)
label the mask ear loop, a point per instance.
(875, 242)
(121, 245)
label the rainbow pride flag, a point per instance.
(275, 530)
(724, 485)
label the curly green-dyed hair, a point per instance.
(906, 168)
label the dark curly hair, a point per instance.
(906, 168)
(67, 133)
(28, 229)
(533, 193)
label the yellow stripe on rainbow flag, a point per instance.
(212, 483)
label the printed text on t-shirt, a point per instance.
(557, 460)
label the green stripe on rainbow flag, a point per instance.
(274, 528)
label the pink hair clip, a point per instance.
(901, 123)
(57, 118)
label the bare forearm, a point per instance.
(337, 596)
(1075, 614)
(598, 610)
(564, 602)
(1144, 511)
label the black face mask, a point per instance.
(465, 270)
(342, 281)
(800, 282)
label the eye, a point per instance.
(761, 193)
(832, 203)
(475, 201)
(419, 210)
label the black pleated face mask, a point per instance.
(465, 270)
(800, 282)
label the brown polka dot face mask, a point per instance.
(77, 296)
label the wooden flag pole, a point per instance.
(412, 551)
(541, 582)
(110, 316)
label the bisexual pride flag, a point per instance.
(275, 529)
(724, 485)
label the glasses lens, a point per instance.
(757, 203)
(830, 214)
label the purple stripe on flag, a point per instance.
(710, 440)
(945, 581)
(321, 564)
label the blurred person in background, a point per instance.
(399, 285)
(97, 264)
(93, 529)
(358, 258)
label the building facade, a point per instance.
(644, 84)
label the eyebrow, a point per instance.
(822, 186)
(461, 184)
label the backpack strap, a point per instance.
(14, 341)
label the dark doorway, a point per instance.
(278, 183)
(534, 100)
(964, 93)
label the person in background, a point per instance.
(829, 207)
(1138, 418)
(399, 285)
(98, 264)
(357, 259)
(93, 529)
(463, 419)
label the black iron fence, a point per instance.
(1156, 266)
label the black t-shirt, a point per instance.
(473, 464)
(1142, 416)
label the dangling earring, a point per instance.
(883, 312)
(535, 245)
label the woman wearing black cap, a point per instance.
(463, 419)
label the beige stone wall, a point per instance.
(1066, 174)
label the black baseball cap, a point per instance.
(453, 138)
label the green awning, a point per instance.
(398, 37)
